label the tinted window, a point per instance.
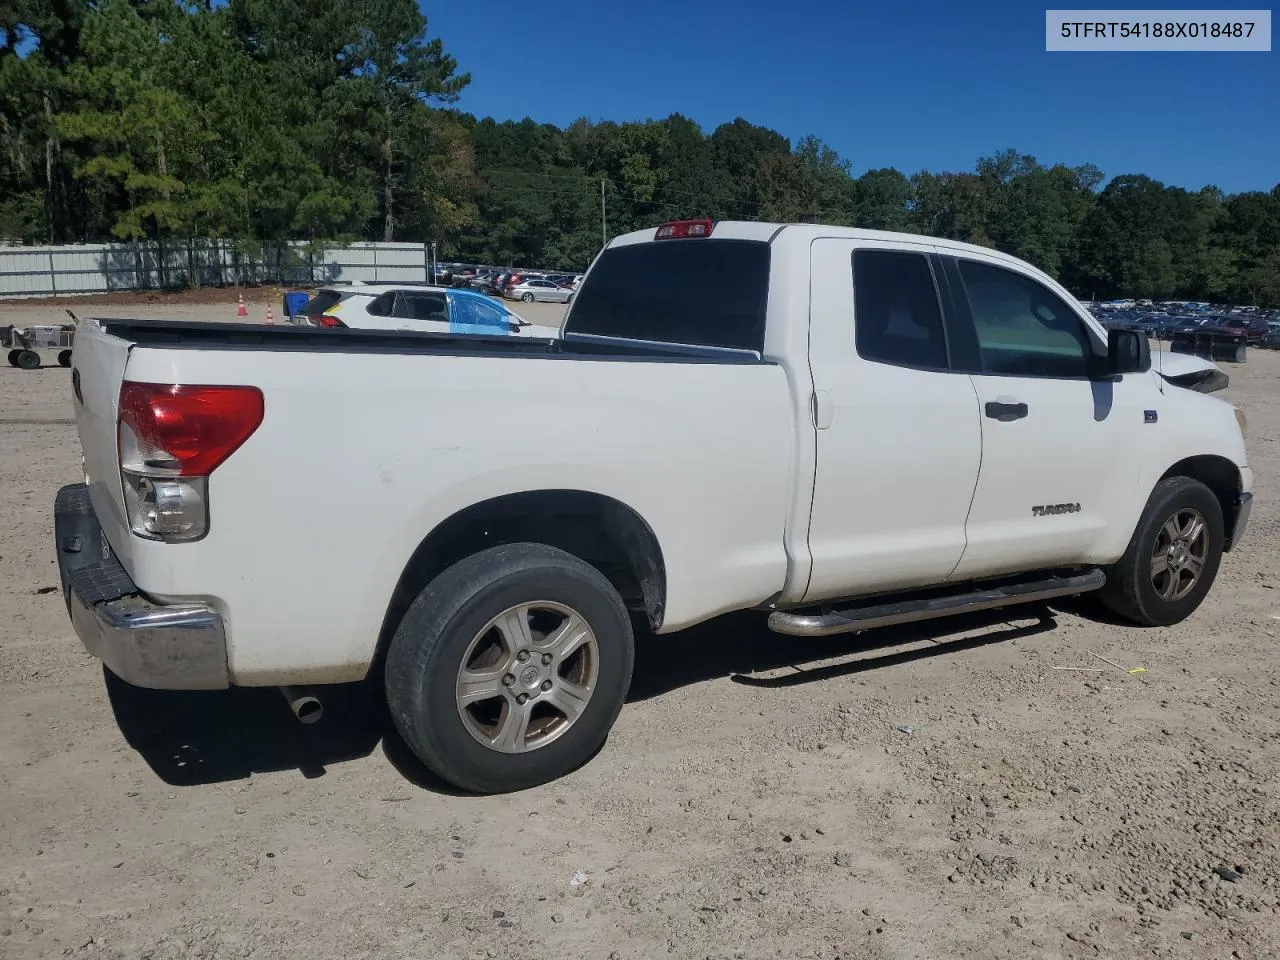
(422, 306)
(1023, 328)
(381, 306)
(897, 318)
(702, 292)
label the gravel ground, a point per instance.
(937, 791)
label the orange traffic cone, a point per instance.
(240, 308)
(271, 317)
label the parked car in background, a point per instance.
(412, 307)
(530, 290)
(1254, 328)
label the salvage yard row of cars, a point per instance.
(1165, 320)
(491, 588)
(526, 285)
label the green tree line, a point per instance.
(260, 121)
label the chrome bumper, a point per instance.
(160, 646)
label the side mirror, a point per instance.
(1128, 351)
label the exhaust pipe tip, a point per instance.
(306, 707)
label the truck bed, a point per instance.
(371, 440)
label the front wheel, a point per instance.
(64, 358)
(510, 668)
(569, 298)
(1173, 558)
(13, 357)
(28, 359)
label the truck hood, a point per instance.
(1189, 371)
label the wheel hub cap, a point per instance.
(527, 676)
(1179, 554)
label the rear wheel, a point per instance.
(1173, 557)
(527, 298)
(13, 357)
(28, 359)
(509, 668)
(64, 358)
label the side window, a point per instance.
(897, 318)
(472, 312)
(381, 306)
(1023, 328)
(424, 306)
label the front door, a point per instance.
(1059, 449)
(898, 433)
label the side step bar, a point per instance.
(853, 619)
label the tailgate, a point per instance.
(97, 369)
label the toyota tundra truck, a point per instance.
(846, 429)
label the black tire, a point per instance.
(1131, 590)
(64, 358)
(13, 357)
(428, 649)
(28, 359)
(569, 298)
(527, 297)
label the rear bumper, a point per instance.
(160, 646)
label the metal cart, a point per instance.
(29, 346)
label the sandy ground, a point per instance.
(760, 797)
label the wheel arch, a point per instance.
(598, 529)
(1222, 477)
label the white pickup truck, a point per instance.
(839, 428)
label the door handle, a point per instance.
(1005, 412)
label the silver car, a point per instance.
(531, 290)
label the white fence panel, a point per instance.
(108, 267)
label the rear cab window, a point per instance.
(701, 292)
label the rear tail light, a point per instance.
(684, 228)
(325, 320)
(170, 439)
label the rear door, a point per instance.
(1060, 451)
(898, 433)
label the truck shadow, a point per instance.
(208, 737)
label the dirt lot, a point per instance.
(760, 797)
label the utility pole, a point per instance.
(604, 238)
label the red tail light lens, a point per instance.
(684, 228)
(185, 431)
(325, 320)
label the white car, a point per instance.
(533, 289)
(388, 306)
(849, 429)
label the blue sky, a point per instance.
(914, 85)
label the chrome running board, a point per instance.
(887, 614)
